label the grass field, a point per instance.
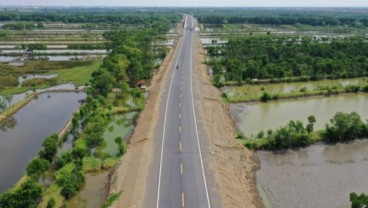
(78, 73)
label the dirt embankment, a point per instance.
(130, 176)
(233, 165)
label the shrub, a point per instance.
(37, 166)
(240, 135)
(365, 88)
(71, 179)
(266, 97)
(50, 146)
(51, 203)
(26, 195)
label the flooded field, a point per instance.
(61, 51)
(319, 175)
(279, 88)
(211, 41)
(253, 117)
(21, 135)
(121, 125)
(18, 97)
(316, 176)
(93, 192)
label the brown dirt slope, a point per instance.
(130, 176)
(233, 165)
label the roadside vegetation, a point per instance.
(358, 201)
(109, 85)
(270, 54)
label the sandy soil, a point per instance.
(131, 173)
(233, 165)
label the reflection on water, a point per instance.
(32, 124)
(121, 125)
(254, 117)
(280, 88)
(316, 176)
(9, 123)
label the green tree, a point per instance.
(37, 167)
(358, 201)
(310, 125)
(345, 126)
(102, 81)
(50, 146)
(27, 195)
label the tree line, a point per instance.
(342, 127)
(85, 17)
(131, 59)
(285, 20)
(272, 57)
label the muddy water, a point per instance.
(121, 125)
(280, 88)
(319, 175)
(316, 176)
(251, 118)
(21, 136)
(93, 192)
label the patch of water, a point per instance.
(253, 117)
(93, 193)
(5, 59)
(121, 125)
(21, 135)
(317, 176)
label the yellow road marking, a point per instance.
(182, 199)
(180, 146)
(181, 168)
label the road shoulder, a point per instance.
(232, 164)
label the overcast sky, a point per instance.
(190, 3)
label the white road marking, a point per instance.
(195, 122)
(164, 128)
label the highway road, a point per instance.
(179, 178)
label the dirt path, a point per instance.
(131, 173)
(233, 165)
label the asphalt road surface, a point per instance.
(179, 177)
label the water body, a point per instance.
(21, 135)
(93, 192)
(253, 117)
(5, 59)
(280, 88)
(121, 125)
(60, 51)
(18, 97)
(317, 176)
